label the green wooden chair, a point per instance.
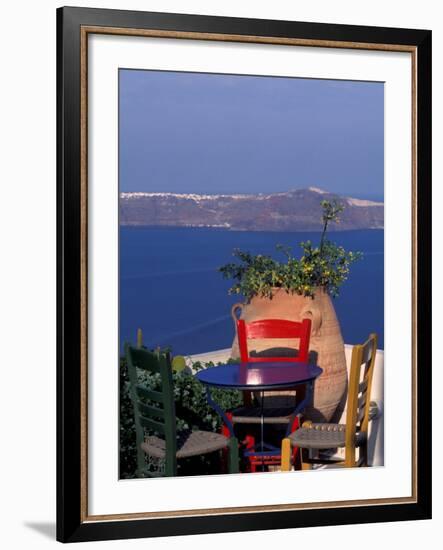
(154, 411)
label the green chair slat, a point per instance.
(158, 427)
(152, 395)
(145, 361)
(150, 412)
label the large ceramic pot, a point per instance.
(326, 344)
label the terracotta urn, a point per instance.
(326, 344)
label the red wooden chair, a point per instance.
(250, 414)
(275, 329)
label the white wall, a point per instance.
(27, 286)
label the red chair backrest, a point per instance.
(274, 328)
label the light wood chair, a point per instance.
(314, 437)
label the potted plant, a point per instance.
(294, 289)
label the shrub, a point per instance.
(326, 266)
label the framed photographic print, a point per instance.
(244, 274)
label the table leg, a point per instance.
(220, 411)
(301, 406)
(262, 430)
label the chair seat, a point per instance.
(322, 436)
(189, 443)
(252, 415)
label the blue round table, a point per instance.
(260, 376)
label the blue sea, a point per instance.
(170, 286)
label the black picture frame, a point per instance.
(72, 525)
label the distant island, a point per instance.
(295, 210)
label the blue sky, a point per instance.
(207, 133)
